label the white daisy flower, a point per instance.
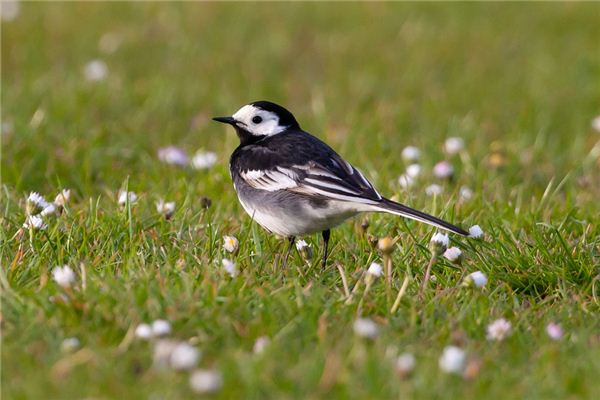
(37, 200)
(413, 170)
(62, 198)
(301, 245)
(304, 249)
(204, 160)
(443, 170)
(465, 193)
(173, 155)
(405, 363)
(454, 145)
(475, 232)
(143, 331)
(375, 270)
(229, 267)
(411, 153)
(596, 124)
(9, 10)
(95, 71)
(453, 254)
(63, 276)
(477, 279)
(206, 381)
(165, 208)
(50, 209)
(184, 356)
(161, 327)
(405, 181)
(439, 242)
(434, 190)
(34, 222)
(231, 244)
(498, 330)
(69, 344)
(554, 331)
(366, 328)
(261, 344)
(452, 360)
(109, 42)
(124, 197)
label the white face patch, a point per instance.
(257, 121)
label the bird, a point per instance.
(293, 184)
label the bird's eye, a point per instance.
(257, 120)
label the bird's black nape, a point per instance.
(286, 118)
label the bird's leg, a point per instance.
(291, 239)
(326, 235)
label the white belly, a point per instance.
(305, 221)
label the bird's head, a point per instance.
(257, 120)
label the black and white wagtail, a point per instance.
(293, 184)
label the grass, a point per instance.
(517, 81)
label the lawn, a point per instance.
(92, 91)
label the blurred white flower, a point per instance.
(184, 356)
(125, 197)
(204, 160)
(206, 381)
(411, 153)
(143, 331)
(9, 10)
(69, 344)
(95, 71)
(452, 360)
(50, 209)
(475, 232)
(413, 170)
(366, 328)
(260, 344)
(443, 170)
(165, 208)
(7, 127)
(453, 254)
(109, 42)
(304, 249)
(439, 242)
(36, 200)
(498, 330)
(375, 270)
(231, 244)
(229, 267)
(465, 193)
(63, 276)
(62, 198)
(161, 327)
(37, 118)
(173, 155)
(405, 181)
(34, 222)
(434, 190)
(454, 145)
(405, 363)
(596, 124)
(301, 245)
(477, 279)
(554, 331)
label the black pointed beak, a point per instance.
(225, 120)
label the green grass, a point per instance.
(516, 80)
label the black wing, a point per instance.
(298, 162)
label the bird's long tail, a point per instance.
(392, 207)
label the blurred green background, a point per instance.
(519, 82)
(370, 76)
